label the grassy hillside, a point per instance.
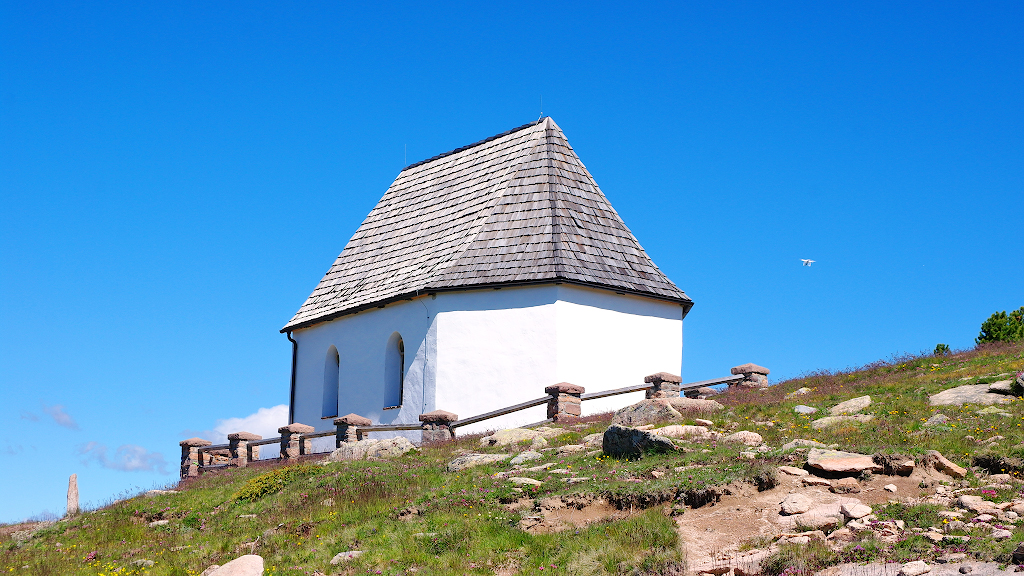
(298, 517)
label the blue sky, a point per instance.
(175, 179)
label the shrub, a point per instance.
(1002, 327)
(942, 350)
(270, 483)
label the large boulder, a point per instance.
(839, 462)
(655, 410)
(471, 460)
(625, 442)
(371, 449)
(851, 406)
(969, 394)
(248, 565)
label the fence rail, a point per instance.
(563, 403)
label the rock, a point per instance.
(855, 511)
(624, 442)
(796, 504)
(682, 431)
(984, 518)
(951, 557)
(801, 443)
(1000, 534)
(576, 479)
(936, 460)
(593, 440)
(846, 486)
(1004, 479)
(744, 437)
(1001, 387)
(656, 410)
(703, 422)
(851, 406)
(975, 504)
(538, 443)
(915, 568)
(509, 436)
(142, 563)
(253, 515)
(818, 517)
(570, 449)
(520, 481)
(829, 421)
(840, 462)
(890, 488)
(814, 481)
(408, 514)
(801, 409)
(155, 493)
(842, 535)
(799, 392)
(248, 565)
(965, 570)
(993, 411)
(646, 412)
(933, 536)
(969, 394)
(1018, 554)
(793, 471)
(525, 457)
(937, 420)
(371, 449)
(345, 556)
(471, 460)
(156, 523)
(213, 568)
(894, 464)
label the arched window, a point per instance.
(394, 371)
(332, 369)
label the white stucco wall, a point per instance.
(475, 351)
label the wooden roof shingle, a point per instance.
(518, 207)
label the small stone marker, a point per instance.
(72, 495)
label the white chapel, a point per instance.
(481, 276)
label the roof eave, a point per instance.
(684, 301)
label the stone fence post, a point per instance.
(190, 456)
(565, 402)
(239, 450)
(292, 443)
(665, 385)
(754, 376)
(435, 426)
(348, 428)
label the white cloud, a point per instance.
(127, 457)
(264, 422)
(61, 417)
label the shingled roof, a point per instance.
(516, 208)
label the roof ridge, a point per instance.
(474, 144)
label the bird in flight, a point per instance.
(806, 261)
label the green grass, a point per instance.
(307, 513)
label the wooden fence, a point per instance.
(563, 401)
